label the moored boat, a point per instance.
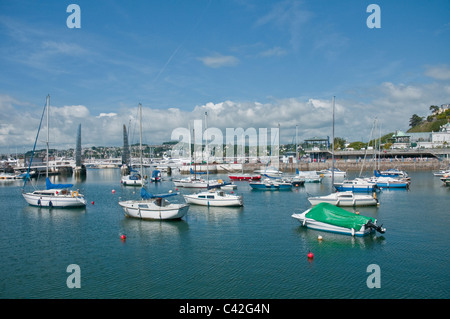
(244, 177)
(214, 198)
(356, 185)
(345, 199)
(154, 207)
(330, 218)
(271, 185)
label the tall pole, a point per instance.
(296, 144)
(48, 132)
(140, 142)
(206, 150)
(332, 152)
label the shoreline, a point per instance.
(344, 165)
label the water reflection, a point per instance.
(330, 241)
(145, 229)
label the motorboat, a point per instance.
(346, 199)
(442, 173)
(390, 182)
(356, 185)
(329, 171)
(193, 182)
(133, 179)
(392, 172)
(214, 198)
(271, 184)
(154, 207)
(310, 176)
(330, 218)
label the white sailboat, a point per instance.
(213, 198)
(154, 207)
(135, 178)
(55, 195)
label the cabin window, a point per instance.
(210, 196)
(201, 196)
(143, 206)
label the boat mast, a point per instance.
(48, 132)
(206, 150)
(140, 142)
(332, 151)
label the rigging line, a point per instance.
(182, 43)
(34, 147)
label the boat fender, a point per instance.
(353, 232)
(74, 194)
(39, 202)
(304, 222)
(50, 204)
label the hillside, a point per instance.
(426, 126)
(431, 124)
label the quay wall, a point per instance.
(344, 165)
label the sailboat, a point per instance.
(136, 178)
(154, 207)
(55, 195)
(212, 197)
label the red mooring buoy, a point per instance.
(310, 255)
(123, 237)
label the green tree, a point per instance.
(415, 120)
(339, 143)
(434, 108)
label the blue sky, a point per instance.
(249, 63)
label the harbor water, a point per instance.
(255, 251)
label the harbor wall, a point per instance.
(344, 165)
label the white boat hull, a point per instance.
(217, 202)
(149, 210)
(313, 224)
(345, 199)
(54, 201)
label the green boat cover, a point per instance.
(330, 214)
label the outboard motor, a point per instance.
(379, 229)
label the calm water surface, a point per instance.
(257, 251)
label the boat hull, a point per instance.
(60, 201)
(343, 202)
(245, 177)
(270, 187)
(149, 211)
(213, 202)
(355, 188)
(313, 224)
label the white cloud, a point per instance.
(106, 115)
(439, 72)
(217, 60)
(276, 51)
(392, 104)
